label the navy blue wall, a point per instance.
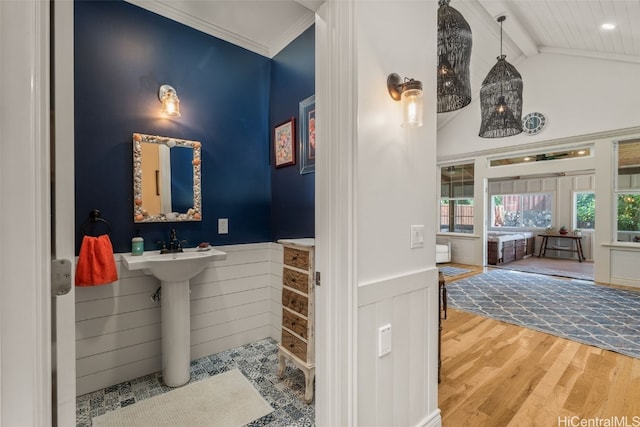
(292, 194)
(122, 56)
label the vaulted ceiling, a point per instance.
(566, 27)
(570, 27)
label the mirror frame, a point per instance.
(139, 213)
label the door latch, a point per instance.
(317, 278)
(60, 277)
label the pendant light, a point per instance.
(454, 57)
(501, 99)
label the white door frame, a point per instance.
(25, 251)
(64, 356)
(25, 246)
(335, 214)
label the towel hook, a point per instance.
(94, 217)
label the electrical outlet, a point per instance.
(384, 340)
(223, 226)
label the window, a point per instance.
(456, 199)
(585, 210)
(521, 210)
(628, 191)
(541, 157)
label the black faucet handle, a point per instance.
(162, 244)
(173, 235)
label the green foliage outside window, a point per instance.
(628, 212)
(586, 211)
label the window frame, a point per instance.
(621, 192)
(574, 210)
(453, 203)
(453, 199)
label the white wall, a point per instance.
(233, 302)
(577, 95)
(397, 285)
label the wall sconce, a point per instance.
(170, 101)
(409, 92)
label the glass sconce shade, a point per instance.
(412, 108)
(409, 93)
(454, 57)
(170, 101)
(501, 101)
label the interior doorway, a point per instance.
(542, 224)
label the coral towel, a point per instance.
(96, 265)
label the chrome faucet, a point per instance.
(175, 245)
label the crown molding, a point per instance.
(165, 9)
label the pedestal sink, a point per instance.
(174, 271)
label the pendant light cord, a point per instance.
(501, 20)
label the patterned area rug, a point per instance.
(547, 271)
(453, 271)
(582, 311)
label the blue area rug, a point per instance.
(582, 311)
(453, 271)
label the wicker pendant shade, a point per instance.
(501, 99)
(454, 57)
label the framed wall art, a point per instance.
(284, 143)
(308, 135)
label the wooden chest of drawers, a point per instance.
(297, 342)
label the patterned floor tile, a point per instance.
(257, 361)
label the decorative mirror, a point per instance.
(166, 179)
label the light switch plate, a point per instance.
(417, 236)
(223, 226)
(384, 340)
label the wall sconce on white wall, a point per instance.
(409, 92)
(170, 101)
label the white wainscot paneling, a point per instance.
(534, 185)
(276, 291)
(398, 388)
(506, 187)
(549, 184)
(584, 182)
(462, 250)
(118, 325)
(520, 186)
(494, 187)
(624, 267)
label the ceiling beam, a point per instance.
(511, 26)
(589, 54)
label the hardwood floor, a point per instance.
(496, 374)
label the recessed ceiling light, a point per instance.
(608, 26)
